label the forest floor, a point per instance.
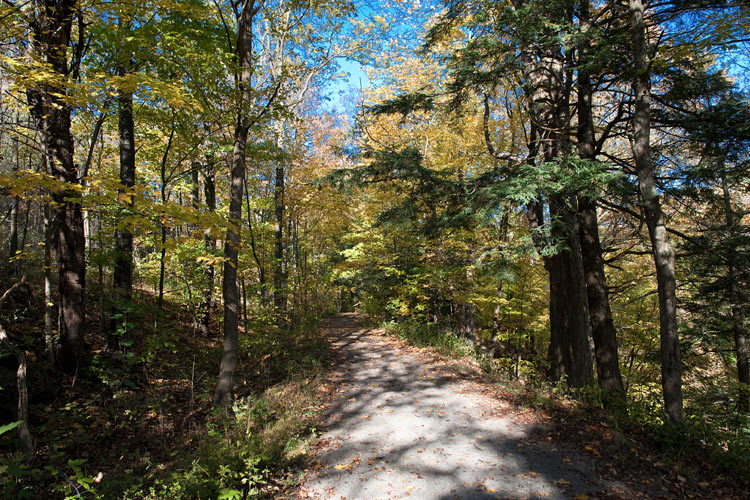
(405, 422)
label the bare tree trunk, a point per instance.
(279, 276)
(535, 217)
(162, 266)
(602, 327)
(570, 316)
(53, 33)
(51, 25)
(467, 317)
(164, 199)
(25, 226)
(244, 302)
(254, 247)
(123, 265)
(13, 238)
(502, 237)
(548, 88)
(740, 337)
(204, 311)
(600, 315)
(49, 305)
(663, 253)
(27, 443)
(223, 394)
(554, 351)
(195, 185)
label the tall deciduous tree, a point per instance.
(51, 25)
(602, 326)
(123, 255)
(209, 192)
(245, 12)
(663, 253)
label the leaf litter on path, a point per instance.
(393, 445)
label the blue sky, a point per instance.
(343, 91)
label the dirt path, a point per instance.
(403, 425)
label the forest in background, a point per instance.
(558, 190)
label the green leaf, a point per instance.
(229, 494)
(9, 427)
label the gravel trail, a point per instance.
(404, 425)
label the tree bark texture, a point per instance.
(571, 316)
(223, 394)
(13, 237)
(279, 274)
(123, 268)
(600, 315)
(204, 310)
(51, 25)
(663, 253)
(545, 78)
(49, 304)
(24, 434)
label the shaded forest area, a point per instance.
(555, 190)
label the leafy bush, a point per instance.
(422, 334)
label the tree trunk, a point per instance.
(467, 317)
(254, 248)
(223, 394)
(663, 253)
(204, 311)
(123, 265)
(13, 238)
(164, 199)
(49, 304)
(535, 218)
(569, 318)
(502, 236)
(600, 315)
(24, 434)
(548, 89)
(52, 25)
(244, 302)
(27, 443)
(738, 329)
(195, 186)
(602, 327)
(554, 351)
(162, 266)
(279, 276)
(25, 227)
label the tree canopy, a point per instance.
(556, 189)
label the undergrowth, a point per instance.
(434, 335)
(717, 439)
(142, 426)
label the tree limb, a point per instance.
(633, 213)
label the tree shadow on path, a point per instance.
(404, 425)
